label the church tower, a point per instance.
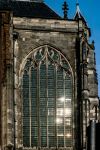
(48, 79)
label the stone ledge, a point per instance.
(43, 28)
(51, 148)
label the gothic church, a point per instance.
(48, 79)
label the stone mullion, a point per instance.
(56, 127)
(64, 109)
(47, 95)
(30, 117)
(38, 106)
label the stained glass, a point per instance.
(51, 102)
(26, 141)
(34, 121)
(51, 130)
(43, 141)
(52, 141)
(61, 141)
(34, 141)
(51, 121)
(47, 100)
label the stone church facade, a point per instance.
(48, 79)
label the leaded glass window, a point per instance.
(47, 100)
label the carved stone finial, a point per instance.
(92, 44)
(65, 10)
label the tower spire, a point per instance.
(78, 14)
(65, 10)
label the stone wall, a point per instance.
(34, 33)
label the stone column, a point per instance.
(7, 84)
(17, 95)
(85, 98)
(92, 135)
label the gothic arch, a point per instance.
(32, 50)
(52, 76)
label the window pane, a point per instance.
(68, 112)
(51, 130)
(51, 121)
(43, 141)
(51, 92)
(52, 141)
(34, 102)
(43, 121)
(43, 102)
(60, 92)
(26, 110)
(51, 69)
(34, 141)
(34, 92)
(60, 130)
(51, 102)
(26, 131)
(60, 112)
(26, 141)
(43, 131)
(43, 111)
(51, 83)
(60, 102)
(43, 71)
(60, 83)
(43, 91)
(33, 111)
(67, 121)
(34, 132)
(59, 74)
(34, 121)
(33, 78)
(42, 82)
(59, 121)
(51, 112)
(68, 142)
(60, 141)
(26, 121)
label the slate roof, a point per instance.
(30, 9)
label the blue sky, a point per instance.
(90, 9)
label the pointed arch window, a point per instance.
(47, 99)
